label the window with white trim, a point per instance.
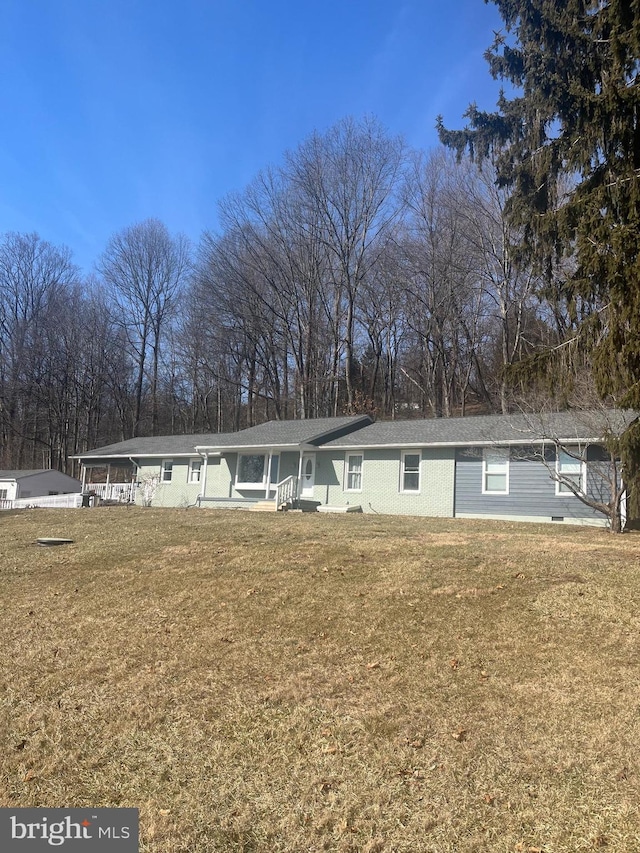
(570, 469)
(410, 472)
(195, 470)
(495, 471)
(3, 494)
(166, 472)
(252, 471)
(353, 472)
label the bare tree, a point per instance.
(381, 314)
(34, 277)
(508, 283)
(444, 293)
(347, 182)
(588, 466)
(280, 258)
(144, 268)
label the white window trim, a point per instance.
(583, 478)
(164, 470)
(402, 489)
(346, 471)
(507, 460)
(257, 486)
(190, 478)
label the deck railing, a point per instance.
(122, 492)
(286, 492)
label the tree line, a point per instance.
(356, 276)
(359, 275)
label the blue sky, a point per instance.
(118, 110)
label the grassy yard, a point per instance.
(254, 682)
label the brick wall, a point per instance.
(381, 482)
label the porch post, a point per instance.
(84, 477)
(107, 495)
(299, 483)
(268, 485)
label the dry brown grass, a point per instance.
(342, 683)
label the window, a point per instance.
(166, 472)
(495, 471)
(571, 469)
(354, 472)
(195, 470)
(3, 494)
(252, 470)
(410, 471)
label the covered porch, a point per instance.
(274, 478)
(109, 482)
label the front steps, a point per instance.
(270, 506)
(264, 506)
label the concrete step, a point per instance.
(264, 506)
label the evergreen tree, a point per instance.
(567, 145)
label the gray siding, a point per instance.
(532, 492)
(48, 481)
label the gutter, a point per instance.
(248, 448)
(486, 443)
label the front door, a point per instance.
(308, 475)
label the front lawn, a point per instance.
(262, 682)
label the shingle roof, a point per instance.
(359, 432)
(16, 475)
(157, 445)
(489, 429)
(270, 434)
(284, 433)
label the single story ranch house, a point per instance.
(514, 467)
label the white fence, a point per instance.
(120, 492)
(48, 501)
